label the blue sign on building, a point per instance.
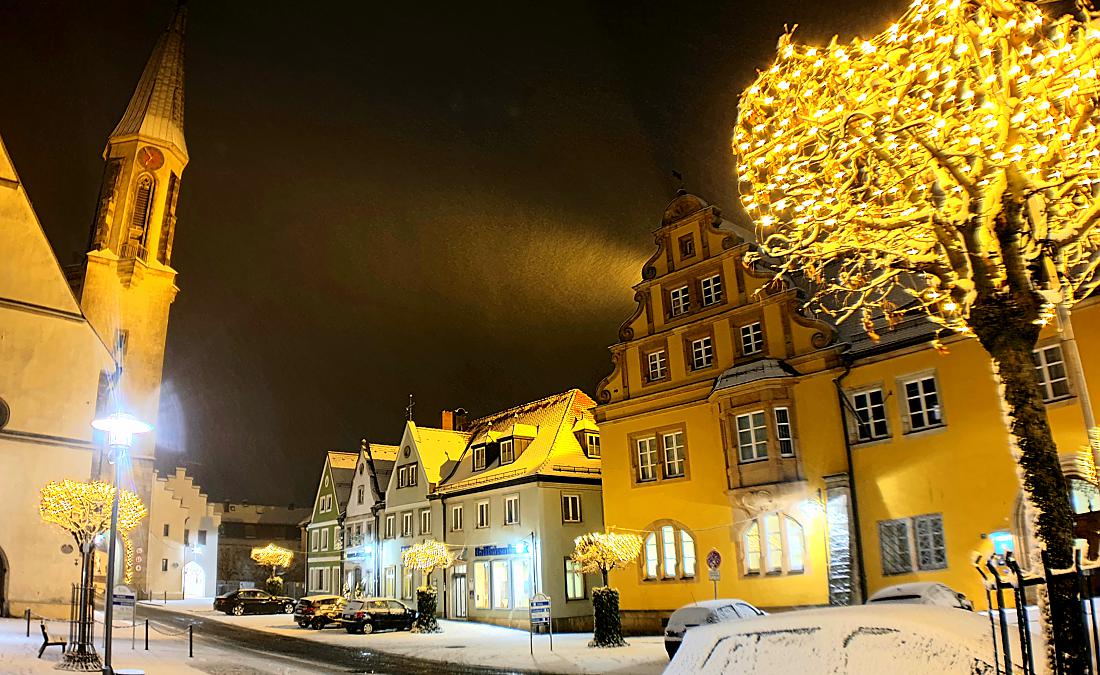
(485, 551)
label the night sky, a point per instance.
(448, 200)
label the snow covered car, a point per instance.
(318, 611)
(253, 601)
(371, 614)
(922, 593)
(702, 613)
(900, 639)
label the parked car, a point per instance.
(253, 601)
(371, 614)
(318, 611)
(700, 613)
(922, 593)
(894, 638)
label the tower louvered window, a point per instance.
(139, 220)
(164, 248)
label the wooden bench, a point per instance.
(47, 642)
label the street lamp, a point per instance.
(121, 428)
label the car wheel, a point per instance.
(367, 628)
(317, 624)
(288, 608)
(238, 610)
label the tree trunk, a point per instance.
(1005, 325)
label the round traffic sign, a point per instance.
(714, 559)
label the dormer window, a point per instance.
(592, 445)
(507, 451)
(680, 299)
(687, 246)
(479, 458)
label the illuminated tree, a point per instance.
(84, 511)
(948, 167)
(602, 552)
(427, 557)
(274, 557)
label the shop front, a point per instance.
(503, 583)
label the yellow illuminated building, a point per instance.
(821, 465)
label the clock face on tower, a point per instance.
(150, 158)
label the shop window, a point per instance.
(574, 581)
(773, 543)
(668, 553)
(1050, 368)
(482, 589)
(502, 587)
(522, 587)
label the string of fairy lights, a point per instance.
(890, 160)
(83, 509)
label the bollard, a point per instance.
(147, 635)
(27, 613)
(166, 597)
(191, 641)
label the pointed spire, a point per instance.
(156, 108)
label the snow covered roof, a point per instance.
(764, 369)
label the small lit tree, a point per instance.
(274, 557)
(948, 167)
(427, 557)
(602, 552)
(83, 509)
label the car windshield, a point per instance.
(898, 598)
(692, 616)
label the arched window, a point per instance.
(669, 553)
(139, 219)
(773, 543)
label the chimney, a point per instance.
(460, 419)
(448, 420)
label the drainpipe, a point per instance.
(1077, 376)
(443, 533)
(861, 575)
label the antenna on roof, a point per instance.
(409, 409)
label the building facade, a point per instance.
(246, 526)
(324, 533)
(50, 368)
(821, 465)
(362, 557)
(183, 540)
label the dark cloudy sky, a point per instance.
(444, 199)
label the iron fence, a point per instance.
(1007, 588)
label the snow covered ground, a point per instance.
(166, 655)
(468, 643)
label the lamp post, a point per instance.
(121, 429)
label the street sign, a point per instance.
(714, 559)
(124, 602)
(538, 609)
(715, 575)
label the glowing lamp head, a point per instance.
(121, 428)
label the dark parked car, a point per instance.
(371, 614)
(253, 601)
(318, 611)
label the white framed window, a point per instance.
(870, 409)
(479, 458)
(908, 544)
(570, 508)
(511, 510)
(324, 539)
(647, 458)
(668, 553)
(680, 299)
(391, 581)
(657, 365)
(702, 353)
(389, 526)
(1050, 368)
(752, 338)
(752, 436)
(313, 538)
(783, 433)
(773, 543)
(425, 521)
(360, 494)
(406, 524)
(456, 518)
(507, 452)
(406, 583)
(712, 290)
(922, 403)
(502, 587)
(574, 581)
(483, 514)
(592, 445)
(673, 443)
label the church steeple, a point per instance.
(155, 111)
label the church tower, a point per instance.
(128, 283)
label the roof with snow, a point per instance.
(754, 371)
